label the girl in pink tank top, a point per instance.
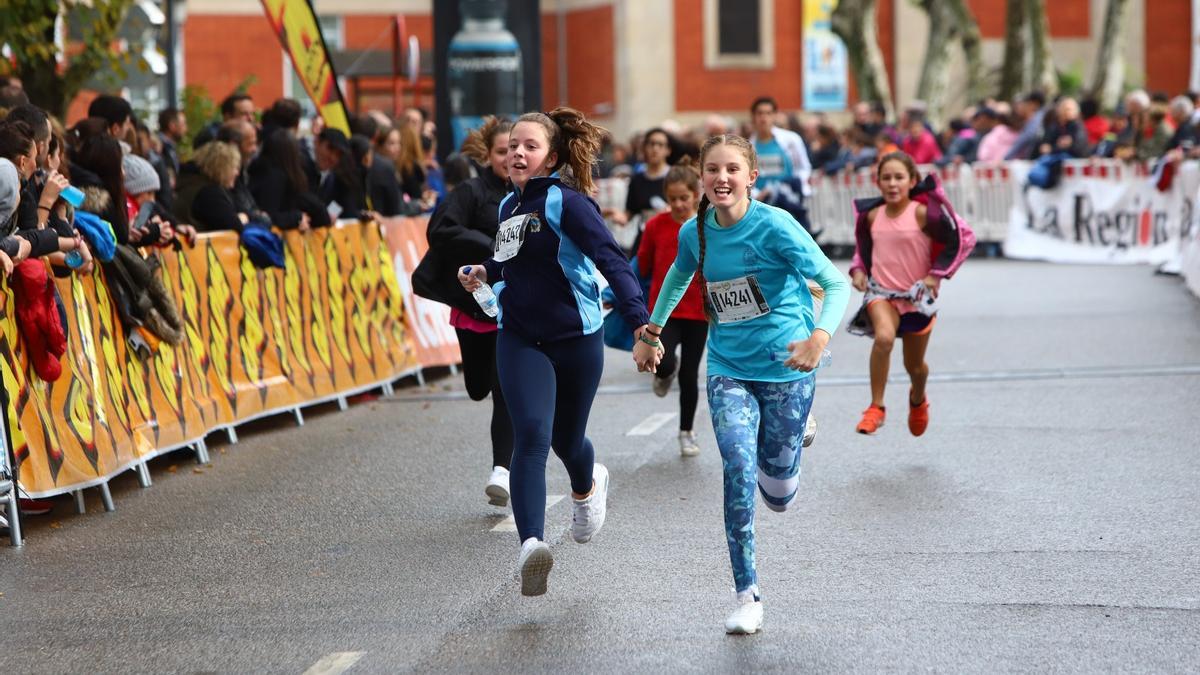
(898, 255)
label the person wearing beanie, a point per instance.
(142, 183)
(18, 245)
(140, 175)
(12, 249)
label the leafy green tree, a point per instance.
(28, 27)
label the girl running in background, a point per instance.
(753, 261)
(462, 230)
(688, 327)
(906, 242)
(550, 349)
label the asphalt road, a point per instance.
(1046, 522)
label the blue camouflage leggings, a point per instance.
(760, 429)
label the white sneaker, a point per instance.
(662, 385)
(497, 487)
(747, 618)
(535, 564)
(687, 444)
(588, 515)
(810, 430)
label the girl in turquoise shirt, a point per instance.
(764, 343)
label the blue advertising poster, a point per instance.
(825, 77)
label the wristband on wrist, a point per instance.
(652, 343)
(43, 206)
(659, 334)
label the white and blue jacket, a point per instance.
(548, 291)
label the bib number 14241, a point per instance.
(737, 300)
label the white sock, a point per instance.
(749, 595)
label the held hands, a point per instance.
(859, 281)
(647, 351)
(806, 354)
(472, 277)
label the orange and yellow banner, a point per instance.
(256, 341)
(296, 25)
(428, 322)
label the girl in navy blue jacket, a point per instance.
(550, 349)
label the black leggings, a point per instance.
(481, 377)
(550, 387)
(692, 335)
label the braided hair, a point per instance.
(747, 150)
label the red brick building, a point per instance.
(636, 62)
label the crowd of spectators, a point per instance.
(1144, 127)
(155, 188)
(108, 190)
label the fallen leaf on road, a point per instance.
(55, 525)
(172, 469)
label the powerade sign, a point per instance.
(487, 62)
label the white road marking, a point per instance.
(510, 525)
(335, 663)
(651, 424)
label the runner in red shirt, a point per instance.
(687, 327)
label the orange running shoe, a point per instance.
(872, 419)
(918, 415)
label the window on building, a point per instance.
(739, 34)
(331, 30)
(737, 27)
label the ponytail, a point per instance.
(685, 172)
(576, 142)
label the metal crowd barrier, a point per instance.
(983, 195)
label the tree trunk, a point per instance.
(1110, 62)
(1042, 71)
(1012, 73)
(935, 72)
(854, 22)
(972, 43)
(44, 87)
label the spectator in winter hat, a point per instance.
(12, 248)
(142, 182)
(140, 176)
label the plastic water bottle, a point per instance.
(74, 259)
(485, 297)
(484, 68)
(826, 358)
(72, 195)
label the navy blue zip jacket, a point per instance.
(547, 292)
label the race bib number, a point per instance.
(510, 236)
(737, 300)
(770, 166)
